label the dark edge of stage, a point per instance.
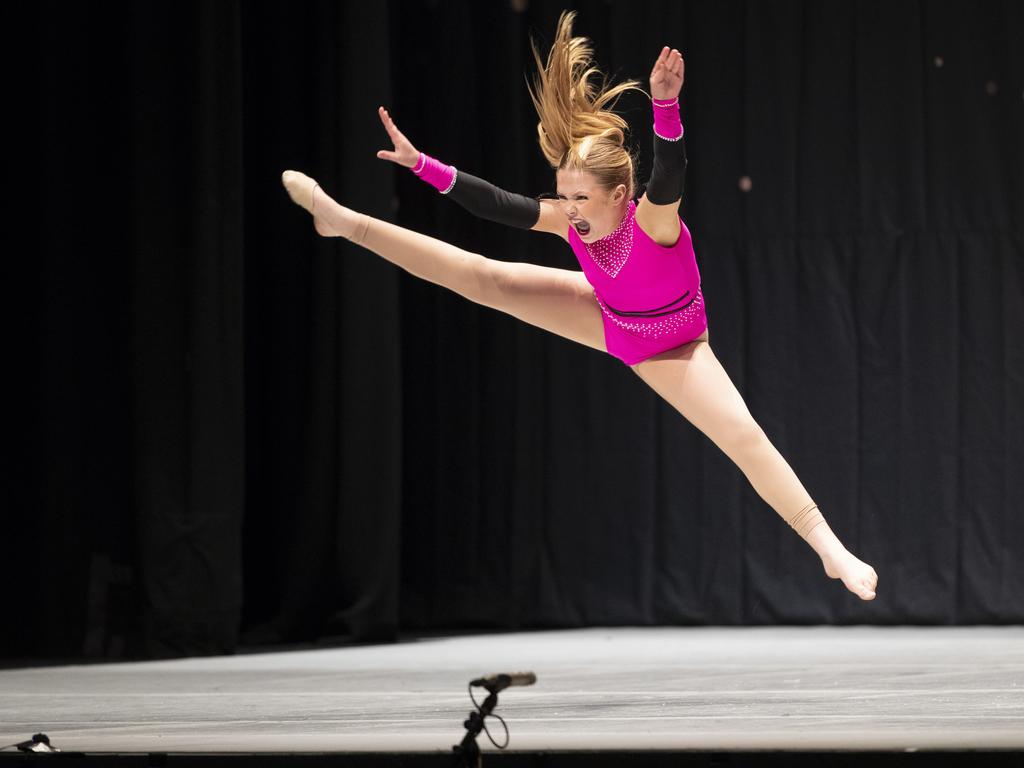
(545, 759)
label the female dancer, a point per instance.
(638, 297)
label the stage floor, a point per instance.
(803, 688)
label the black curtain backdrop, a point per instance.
(231, 432)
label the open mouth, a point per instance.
(581, 226)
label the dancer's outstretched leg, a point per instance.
(557, 300)
(694, 382)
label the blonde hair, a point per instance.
(577, 128)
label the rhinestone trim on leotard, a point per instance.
(655, 328)
(611, 251)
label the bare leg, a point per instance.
(557, 300)
(693, 381)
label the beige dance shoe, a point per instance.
(300, 188)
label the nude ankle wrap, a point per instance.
(804, 520)
(362, 224)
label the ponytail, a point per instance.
(577, 128)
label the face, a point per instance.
(593, 211)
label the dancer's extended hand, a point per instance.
(667, 74)
(405, 153)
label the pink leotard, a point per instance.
(649, 294)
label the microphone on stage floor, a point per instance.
(501, 681)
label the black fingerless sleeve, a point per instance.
(483, 199)
(669, 171)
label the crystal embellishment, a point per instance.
(659, 327)
(611, 251)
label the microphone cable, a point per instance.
(483, 720)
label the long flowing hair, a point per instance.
(577, 128)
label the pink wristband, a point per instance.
(435, 173)
(667, 124)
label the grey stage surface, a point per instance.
(813, 688)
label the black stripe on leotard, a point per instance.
(652, 312)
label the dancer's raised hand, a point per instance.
(667, 74)
(405, 153)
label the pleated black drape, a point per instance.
(324, 374)
(236, 432)
(856, 294)
(184, 212)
